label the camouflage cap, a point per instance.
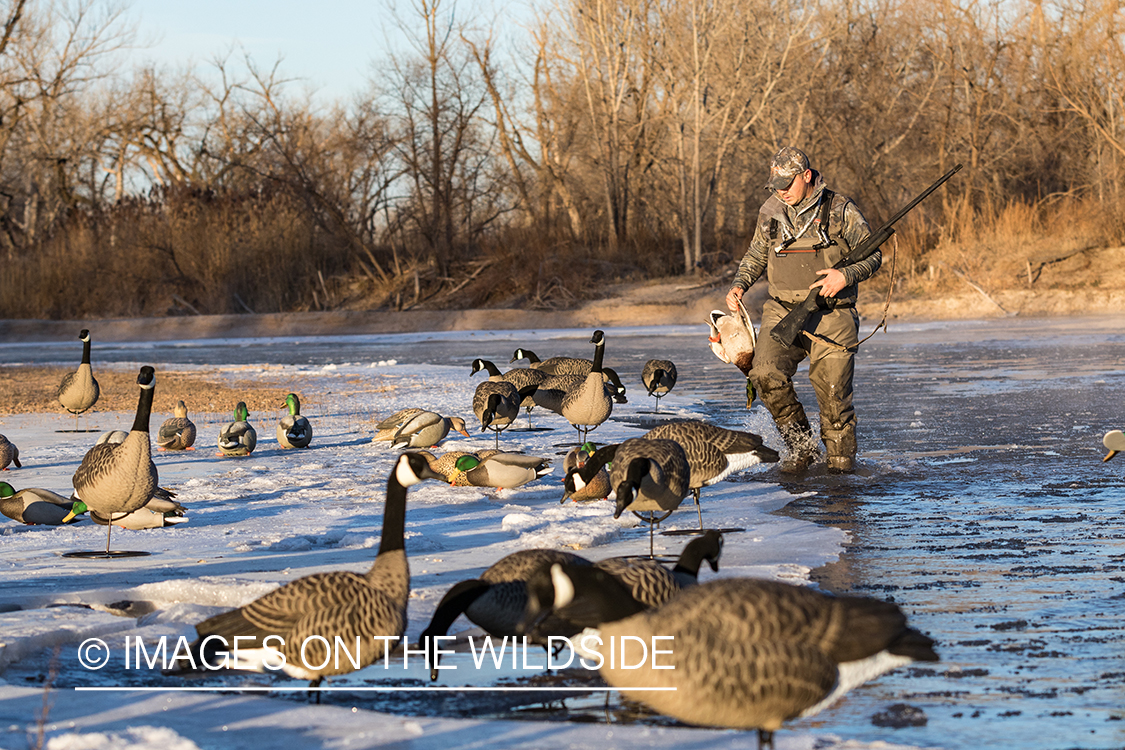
(787, 163)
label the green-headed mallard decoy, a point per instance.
(9, 454)
(35, 506)
(78, 390)
(238, 438)
(117, 478)
(178, 432)
(294, 431)
(499, 469)
(365, 608)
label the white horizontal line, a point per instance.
(115, 689)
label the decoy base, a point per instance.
(102, 554)
(698, 532)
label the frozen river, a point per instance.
(982, 508)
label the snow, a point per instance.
(258, 522)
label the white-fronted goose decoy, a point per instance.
(659, 377)
(1114, 442)
(748, 654)
(588, 404)
(425, 430)
(294, 431)
(497, 406)
(498, 469)
(713, 452)
(78, 390)
(238, 438)
(177, 433)
(351, 607)
(117, 478)
(35, 506)
(9, 454)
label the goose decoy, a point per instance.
(597, 488)
(587, 404)
(713, 452)
(386, 429)
(496, 601)
(649, 583)
(425, 430)
(291, 624)
(1114, 442)
(238, 438)
(294, 431)
(497, 405)
(78, 390)
(116, 478)
(177, 433)
(498, 469)
(35, 506)
(525, 379)
(748, 654)
(648, 475)
(554, 365)
(9, 454)
(659, 377)
(616, 388)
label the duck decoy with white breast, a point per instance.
(306, 615)
(178, 432)
(79, 390)
(499, 469)
(294, 431)
(748, 654)
(238, 437)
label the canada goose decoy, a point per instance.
(425, 430)
(1114, 441)
(497, 405)
(116, 478)
(525, 379)
(78, 390)
(597, 488)
(35, 506)
(500, 470)
(496, 601)
(649, 583)
(386, 429)
(648, 475)
(339, 606)
(588, 404)
(9, 454)
(238, 438)
(713, 452)
(554, 365)
(294, 431)
(613, 383)
(659, 377)
(748, 654)
(177, 433)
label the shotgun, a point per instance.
(787, 331)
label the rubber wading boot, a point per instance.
(799, 442)
(841, 465)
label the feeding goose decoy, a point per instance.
(78, 390)
(713, 453)
(525, 379)
(554, 365)
(598, 487)
(1114, 442)
(9, 454)
(649, 475)
(294, 431)
(178, 432)
(34, 505)
(117, 478)
(649, 583)
(238, 438)
(425, 430)
(496, 601)
(497, 405)
(588, 404)
(340, 606)
(499, 469)
(748, 654)
(659, 377)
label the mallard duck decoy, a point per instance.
(425, 430)
(33, 505)
(78, 390)
(294, 431)
(386, 428)
(588, 404)
(300, 616)
(1114, 441)
(177, 433)
(238, 438)
(659, 377)
(500, 470)
(9, 454)
(117, 478)
(748, 654)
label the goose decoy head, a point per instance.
(598, 337)
(412, 468)
(478, 365)
(147, 377)
(84, 335)
(294, 404)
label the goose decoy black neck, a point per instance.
(84, 337)
(584, 596)
(147, 381)
(410, 469)
(708, 546)
(484, 364)
(634, 475)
